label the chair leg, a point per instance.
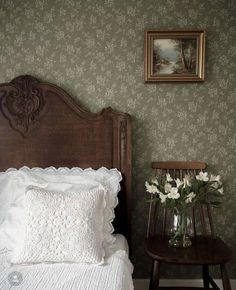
(205, 276)
(225, 277)
(155, 275)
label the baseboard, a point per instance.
(142, 284)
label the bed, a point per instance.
(42, 126)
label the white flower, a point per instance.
(221, 190)
(202, 176)
(190, 197)
(163, 197)
(168, 177)
(178, 182)
(173, 194)
(151, 188)
(186, 180)
(215, 178)
(167, 187)
(215, 185)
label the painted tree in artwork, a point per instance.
(187, 50)
(156, 56)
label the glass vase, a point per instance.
(180, 229)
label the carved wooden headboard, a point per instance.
(41, 125)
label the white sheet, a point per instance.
(114, 274)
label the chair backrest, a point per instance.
(202, 222)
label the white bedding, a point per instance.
(114, 274)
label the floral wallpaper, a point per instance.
(95, 51)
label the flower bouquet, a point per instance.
(180, 195)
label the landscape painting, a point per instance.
(174, 56)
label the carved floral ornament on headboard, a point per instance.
(22, 103)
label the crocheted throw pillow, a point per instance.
(62, 227)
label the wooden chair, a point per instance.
(206, 249)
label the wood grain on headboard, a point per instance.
(41, 125)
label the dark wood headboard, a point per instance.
(41, 125)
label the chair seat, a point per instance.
(203, 251)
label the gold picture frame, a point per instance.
(174, 56)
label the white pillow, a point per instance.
(12, 190)
(9, 185)
(62, 227)
(75, 179)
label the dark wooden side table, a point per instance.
(205, 251)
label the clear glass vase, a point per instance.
(180, 229)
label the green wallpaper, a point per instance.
(94, 50)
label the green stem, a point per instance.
(182, 225)
(180, 237)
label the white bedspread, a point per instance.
(114, 274)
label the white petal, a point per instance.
(178, 182)
(167, 187)
(168, 177)
(155, 181)
(221, 190)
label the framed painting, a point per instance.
(174, 56)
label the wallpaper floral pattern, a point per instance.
(94, 50)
